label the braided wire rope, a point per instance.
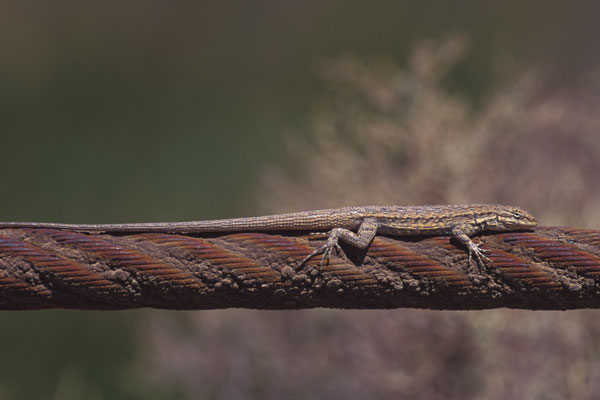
(550, 268)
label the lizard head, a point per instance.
(508, 218)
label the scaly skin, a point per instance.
(460, 221)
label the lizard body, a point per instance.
(356, 226)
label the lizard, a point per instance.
(356, 226)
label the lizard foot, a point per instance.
(326, 250)
(480, 258)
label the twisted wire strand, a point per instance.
(550, 268)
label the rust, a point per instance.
(549, 268)
(203, 250)
(401, 258)
(556, 253)
(58, 270)
(297, 250)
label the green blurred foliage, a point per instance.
(145, 111)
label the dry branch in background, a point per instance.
(395, 135)
(550, 269)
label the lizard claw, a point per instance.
(338, 249)
(478, 253)
(326, 255)
(323, 249)
(326, 249)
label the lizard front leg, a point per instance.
(361, 240)
(461, 233)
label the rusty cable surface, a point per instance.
(550, 268)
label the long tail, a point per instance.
(292, 221)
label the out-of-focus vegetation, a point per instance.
(396, 137)
(119, 111)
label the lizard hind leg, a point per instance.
(361, 240)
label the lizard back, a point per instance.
(401, 220)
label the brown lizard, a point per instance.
(356, 226)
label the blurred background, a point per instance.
(149, 111)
